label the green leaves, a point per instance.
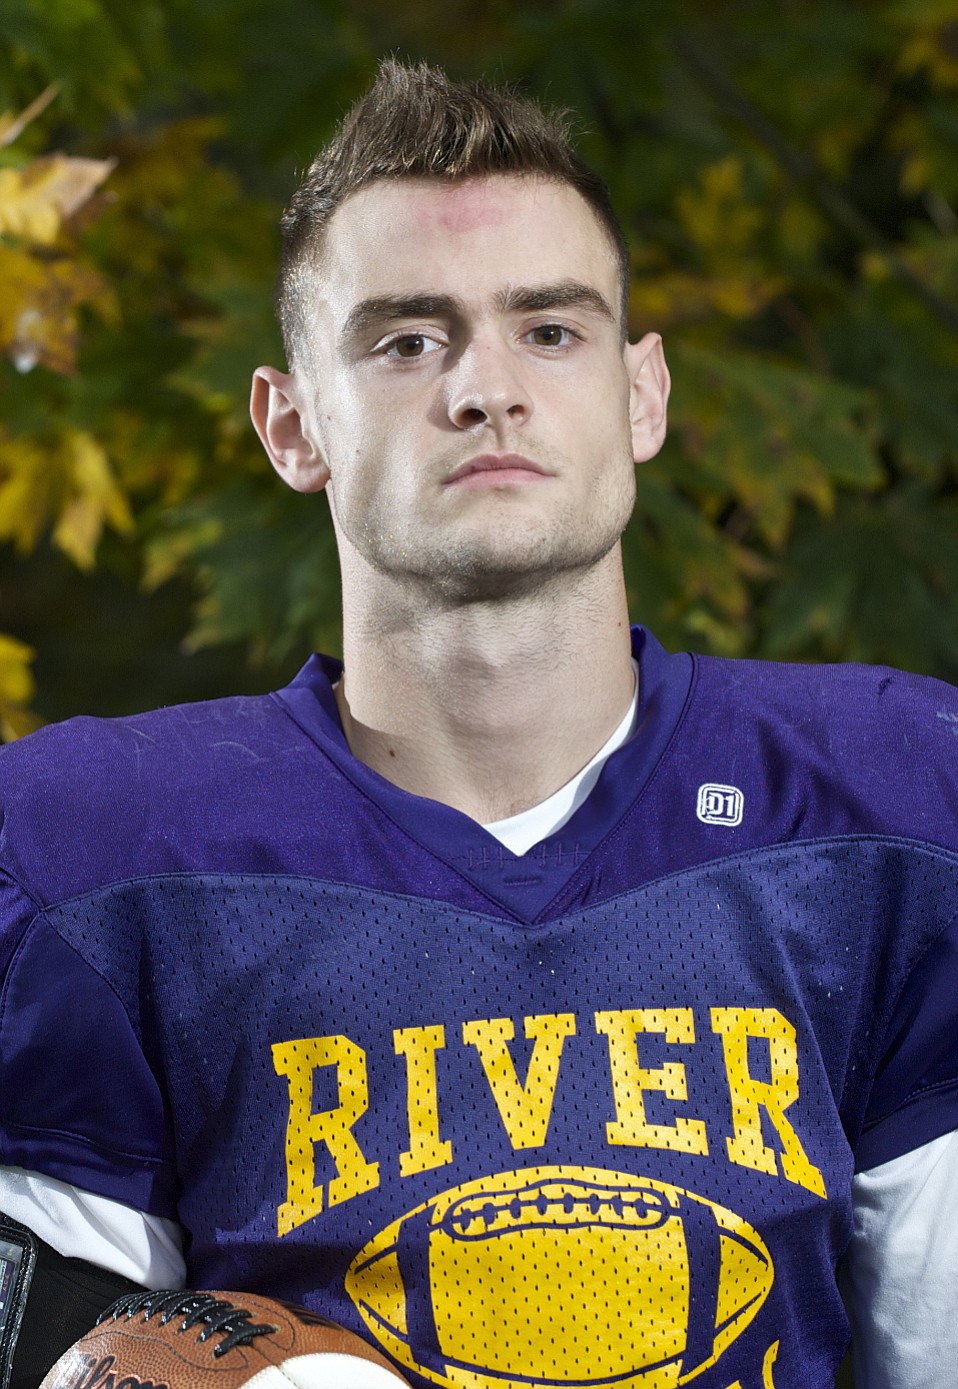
(265, 562)
(787, 179)
(766, 435)
(877, 585)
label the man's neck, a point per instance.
(488, 708)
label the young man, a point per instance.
(525, 997)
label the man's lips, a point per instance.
(496, 470)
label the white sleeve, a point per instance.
(144, 1248)
(900, 1280)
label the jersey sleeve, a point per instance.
(79, 1100)
(914, 1096)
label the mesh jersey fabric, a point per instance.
(149, 1248)
(585, 1116)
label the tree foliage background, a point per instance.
(786, 171)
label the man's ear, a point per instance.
(649, 385)
(279, 419)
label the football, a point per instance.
(212, 1340)
(561, 1276)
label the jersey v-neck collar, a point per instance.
(523, 885)
(529, 827)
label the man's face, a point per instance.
(466, 384)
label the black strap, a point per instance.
(18, 1258)
(54, 1301)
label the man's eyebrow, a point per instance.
(387, 308)
(564, 294)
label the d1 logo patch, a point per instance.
(561, 1276)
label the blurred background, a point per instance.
(787, 174)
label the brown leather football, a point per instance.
(207, 1340)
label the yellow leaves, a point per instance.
(170, 553)
(43, 282)
(65, 483)
(874, 266)
(25, 492)
(62, 482)
(914, 143)
(166, 195)
(800, 229)
(837, 144)
(678, 296)
(150, 458)
(16, 681)
(16, 689)
(721, 222)
(37, 199)
(94, 500)
(39, 303)
(933, 47)
(717, 215)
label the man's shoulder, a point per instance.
(833, 694)
(165, 741)
(848, 748)
(94, 800)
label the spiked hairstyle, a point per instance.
(416, 123)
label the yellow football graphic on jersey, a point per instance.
(561, 1276)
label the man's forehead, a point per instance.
(407, 235)
(452, 207)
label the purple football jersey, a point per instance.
(583, 1117)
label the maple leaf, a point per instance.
(96, 500)
(37, 199)
(65, 482)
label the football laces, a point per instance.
(214, 1316)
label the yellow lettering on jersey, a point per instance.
(419, 1046)
(747, 1146)
(297, 1061)
(525, 1110)
(629, 1079)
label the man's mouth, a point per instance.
(497, 470)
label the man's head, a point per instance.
(416, 123)
(459, 380)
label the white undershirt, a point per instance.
(901, 1275)
(900, 1278)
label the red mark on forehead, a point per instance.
(464, 207)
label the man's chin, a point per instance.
(489, 586)
(495, 577)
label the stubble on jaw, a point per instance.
(462, 569)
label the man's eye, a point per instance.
(550, 335)
(411, 345)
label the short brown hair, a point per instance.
(416, 123)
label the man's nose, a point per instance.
(486, 386)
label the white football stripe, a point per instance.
(270, 1378)
(323, 1370)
